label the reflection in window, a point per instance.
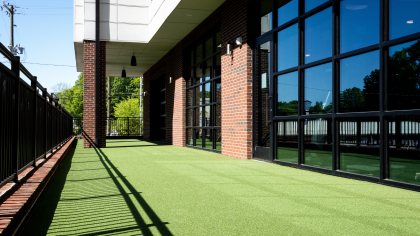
(198, 100)
(404, 76)
(208, 137)
(190, 138)
(190, 118)
(198, 74)
(287, 94)
(318, 36)
(359, 24)
(318, 142)
(218, 115)
(199, 53)
(404, 18)
(266, 16)
(207, 116)
(208, 93)
(287, 48)
(359, 83)
(311, 4)
(359, 146)
(287, 141)
(218, 139)
(287, 10)
(190, 97)
(404, 148)
(209, 47)
(208, 69)
(318, 89)
(218, 84)
(198, 117)
(198, 134)
(218, 66)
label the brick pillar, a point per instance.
(89, 93)
(236, 81)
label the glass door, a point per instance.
(262, 99)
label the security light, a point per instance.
(133, 60)
(123, 74)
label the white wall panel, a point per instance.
(133, 33)
(89, 30)
(89, 11)
(78, 32)
(144, 3)
(137, 15)
(79, 15)
(154, 7)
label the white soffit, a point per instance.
(170, 21)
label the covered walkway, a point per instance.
(143, 188)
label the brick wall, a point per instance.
(89, 96)
(234, 18)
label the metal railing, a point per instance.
(32, 123)
(116, 126)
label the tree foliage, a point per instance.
(70, 98)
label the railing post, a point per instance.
(16, 70)
(51, 125)
(44, 95)
(35, 118)
(128, 121)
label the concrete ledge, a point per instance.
(17, 200)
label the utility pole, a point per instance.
(11, 11)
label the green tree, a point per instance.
(122, 87)
(128, 108)
(70, 98)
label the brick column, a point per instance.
(89, 92)
(236, 81)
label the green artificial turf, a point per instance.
(142, 188)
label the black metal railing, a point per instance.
(32, 123)
(116, 126)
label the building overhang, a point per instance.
(147, 29)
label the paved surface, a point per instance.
(142, 188)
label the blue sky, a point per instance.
(46, 32)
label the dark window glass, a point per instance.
(207, 118)
(198, 100)
(190, 76)
(287, 10)
(190, 98)
(311, 4)
(190, 117)
(218, 66)
(208, 69)
(199, 53)
(218, 139)
(208, 93)
(192, 57)
(404, 18)
(404, 76)
(318, 89)
(266, 16)
(218, 115)
(198, 74)
(359, 145)
(198, 117)
(218, 41)
(209, 47)
(198, 138)
(287, 141)
(218, 85)
(404, 148)
(359, 83)
(318, 36)
(318, 140)
(208, 137)
(359, 24)
(287, 94)
(287, 45)
(190, 138)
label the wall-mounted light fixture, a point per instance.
(229, 47)
(170, 79)
(239, 42)
(123, 74)
(133, 60)
(144, 93)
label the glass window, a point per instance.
(198, 117)
(190, 76)
(287, 94)
(318, 142)
(208, 115)
(318, 89)
(311, 4)
(359, 83)
(198, 138)
(404, 18)
(218, 115)
(218, 139)
(208, 93)
(208, 137)
(287, 45)
(404, 76)
(318, 36)
(218, 66)
(190, 138)
(218, 85)
(198, 74)
(199, 53)
(192, 57)
(198, 100)
(208, 69)
(209, 47)
(218, 41)
(190, 117)
(287, 141)
(287, 10)
(266, 16)
(190, 98)
(404, 148)
(359, 24)
(359, 145)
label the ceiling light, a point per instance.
(123, 74)
(308, 55)
(133, 60)
(410, 22)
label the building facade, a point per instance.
(331, 86)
